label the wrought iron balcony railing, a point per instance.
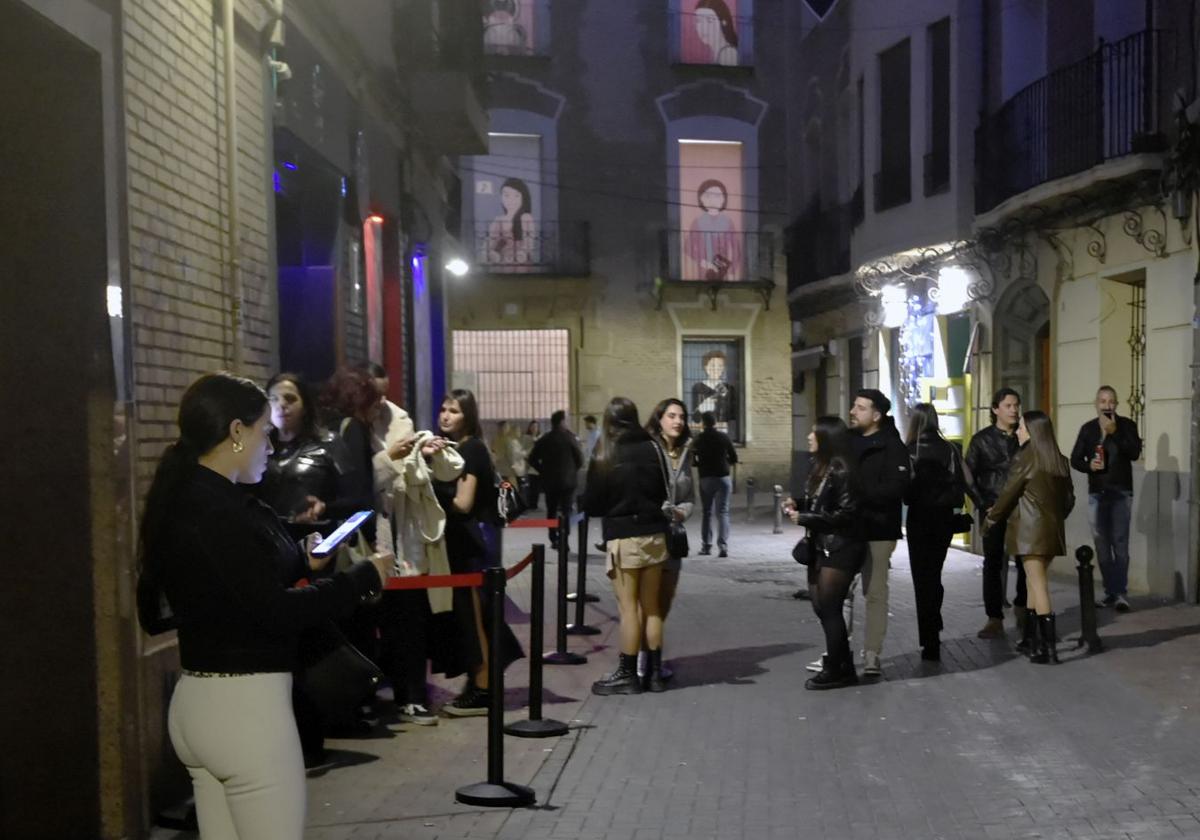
(703, 38)
(539, 248)
(1100, 108)
(717, 256)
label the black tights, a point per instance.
(828, 588)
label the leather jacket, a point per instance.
(833, 514)
(1036, 504)
(938, 480)
(989, 456)
(318, 467)
(1120, 451)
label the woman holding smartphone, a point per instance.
(225, 567)
(1037, 498)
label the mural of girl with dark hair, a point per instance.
(714, 393)
(512, 234)
(716, 29)
(713, 246)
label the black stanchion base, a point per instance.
(582, 630)
(544, 728)
(505, 795)
(564, 658)
(1092, 645)
(588, 598)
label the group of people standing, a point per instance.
(863, 474)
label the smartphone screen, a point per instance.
(327, 545)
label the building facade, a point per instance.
(187, 184)
(624, 228)
(1023, 235)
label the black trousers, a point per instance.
(926, 556)
(559, 500)
(404, 643)
(994, 558)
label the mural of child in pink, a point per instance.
(710, 33)
(512, 236)
(505, 27)
(713, 246)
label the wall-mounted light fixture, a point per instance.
(458, 266)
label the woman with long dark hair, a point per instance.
(834, 545)
(668, 426)
(937, 488)
(625, 486)
(472, 544)
(511, 235)
(225, 567)
(1037, 498)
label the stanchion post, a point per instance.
(777, 496)
(560, 654)
(536, 726)
(1087, 601)
(581, 576)
(495, 792)
(750, 499)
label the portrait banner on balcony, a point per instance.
(709, 32)
(712, 381)
(508, 27)
(710, 211)
(507, 206)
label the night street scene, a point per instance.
(600, 419)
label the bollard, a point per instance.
(778, 496)
(536, 726)
(1087, 601)
(495, 792)
(560, 655)
(750, 499)
(581, 576)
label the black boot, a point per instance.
(1029, 634)
(624, 680)
(654, 678)
(1039, 650)
(838, 672)
(1049, 636)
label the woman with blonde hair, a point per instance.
(1037, 498)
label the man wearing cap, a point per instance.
(884, 471)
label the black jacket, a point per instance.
(1121, 449)
(227, 568)
(884, 472)
(557, 458)
(833, 513)
(989, 456)
(714, 453)
(627, 488)
(936, 489)
(320, 467)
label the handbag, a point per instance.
(335, 675)
(677, 537)
(961, 522)
(802, 551)
(510, 504)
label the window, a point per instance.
(712, 381)
(713, 32)
(508, 207)
(712, 234)
(893, 181)
(515, 374)
(937, 159)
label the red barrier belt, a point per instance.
(533, 523)
(474, 579)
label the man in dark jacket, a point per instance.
(714, 454)
(989, 455)
(1105, 451)
(557, 458)
(884, 472)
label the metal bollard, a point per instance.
(579, 627)
(560, 655)
(777, 528)
(495, 792)
(1087, 601)
(536, 726)
(750, 499)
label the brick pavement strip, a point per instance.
(982, 745)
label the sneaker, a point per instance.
(473, 702)
(1107, 601)
(722, 553)
(931, 653)
(871, 666)
(418, 714)
(801, 595)
(600, 546)
(705, 549)
(817, 665)
(1121, 605)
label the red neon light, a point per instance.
(375, 218)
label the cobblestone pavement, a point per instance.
(981, 745)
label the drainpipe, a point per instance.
(232, 208)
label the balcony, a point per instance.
(522, 31)
(727, 258)
(819, 244)
(703, 39)
(561, 249)
(893, 187)
(1103, 107)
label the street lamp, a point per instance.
(894, 299)
(458, 267)
(953, 284)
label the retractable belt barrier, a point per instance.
(471, 579)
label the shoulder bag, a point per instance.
(677, 537)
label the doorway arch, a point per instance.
(1023, 344)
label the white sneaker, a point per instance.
(871, 666)
(418, 714)
(817, 665)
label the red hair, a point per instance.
(351, 393)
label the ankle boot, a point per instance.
(654, 678)
(1049, 637)
(1039, 651)
(624, 680)
(1029, 634)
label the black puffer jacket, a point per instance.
(628, 488)
(833, 513)
(883, 474)
(989, 456)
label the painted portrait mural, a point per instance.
(708, 32)
(508, 203)
(712, 381)
(710, 210)
(508, 27)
